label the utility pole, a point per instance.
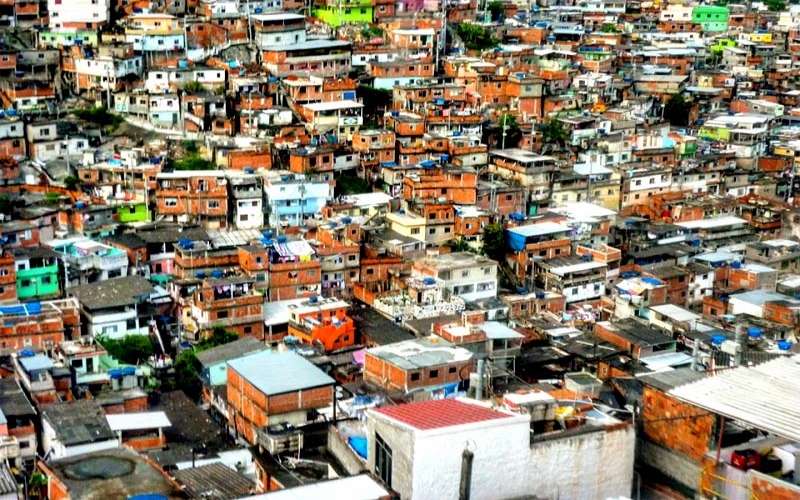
(505, 128)
(443, 45)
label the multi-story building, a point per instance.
(79, 14)
(466, 275)
(155, 33)
(200, 197)
(230, 303)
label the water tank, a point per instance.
(429, 281)
(115, 374)
(784, 345)
(148, 496)
(183, 63)
(80, 204)
(539, 295)
(754, 333)
(267, 234)
(26, 353)
(200, 274)
(717, 339)
(216, 273)
(346, 220)
(736, 264)
(314, 299)
(281, 239)
(129, 371)
(249, 170)
(587, 257)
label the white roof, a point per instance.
(666, 361)
(333, 105)
(278, 312)
(573, 268)
(712, 223)
(276, 17)
(766, 396)
(540, 229)
(421, 31)
(360, 487)
(582, 210)
(676, 312)
(591, 169)
(496, 330)
(369, 199)
(138, 421)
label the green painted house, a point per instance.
(67, 37)
(349, 12)
(134, 212)
(711, 18)
(37, 273)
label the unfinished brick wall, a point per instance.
(689, 436)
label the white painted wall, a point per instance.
(50, 442)
(427, 464)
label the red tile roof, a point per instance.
(438, 414)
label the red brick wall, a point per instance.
(689, 436)
(763, 486)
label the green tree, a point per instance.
(71, 182)
(187, 368)
(130, 349)
(460, 245)
(350, 184)
(497, 9)
(609, 28)
(476, 37)
(494, 242)
(508, 125)
(554, 133)
(193, 87)
(187, 374)
(6, 205)
(100, 116)
(676, 110)
(194, 161)
(775, 5)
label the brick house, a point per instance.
(424, 364)
(273, 388)
(323, 322)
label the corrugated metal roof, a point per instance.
(441, 413)
(214, 482)
(766, 396)
(280, 373)
(360, 487)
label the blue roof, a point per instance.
(3, 419)
(34, 363)
(280, 373)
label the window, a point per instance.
(47, 280)
(25, 283)
(370, 271)
(171, 202)
(451, 370)
(213, 204)
(353, 274)
(248, 329)
(415, 376)
(107, 330)
(432, 230)
(415, 230)
(383, 459)
(433, 374)
(465, 273)
(310, 273)
(446, 230)
(222, 314)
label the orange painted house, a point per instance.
(323, 322)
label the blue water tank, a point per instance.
(444, 158)
(784, 345)
(346, 220)
(395, 113)
(129, 371)
(281, 239)
(200, 274)
(754, 333)
(539, 295)
(429, 281)
(26, 353)
(216, 273)
(183, 63)
(717, 339)
(314, 299)
(115, 374)
(736, 264)
(80, 204)
(267, 234)
(148, 496)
